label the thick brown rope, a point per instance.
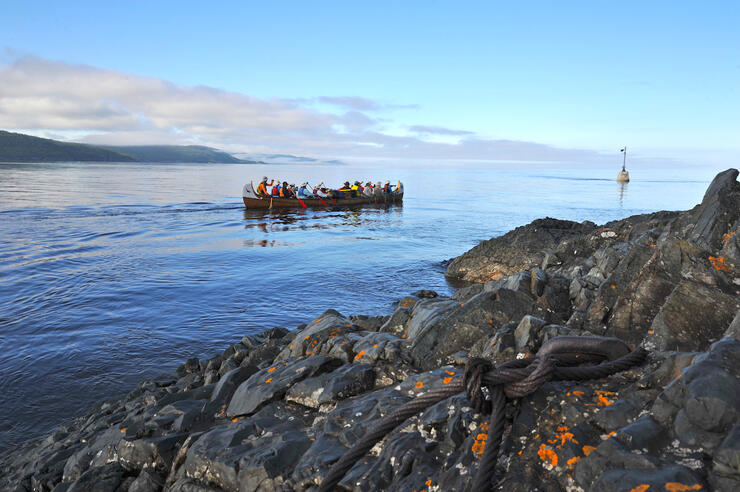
(513, 379)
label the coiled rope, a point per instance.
(555, 361)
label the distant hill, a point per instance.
(17, 147)
(175, 153)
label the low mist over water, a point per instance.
(111, 273)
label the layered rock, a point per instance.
(275, 410)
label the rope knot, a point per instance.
(475, 369)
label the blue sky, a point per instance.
(661, 77)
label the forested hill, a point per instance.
(17, 147)
(174, 153)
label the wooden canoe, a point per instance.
(252, 200)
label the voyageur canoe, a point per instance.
(252, 200)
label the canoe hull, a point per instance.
(252, 203)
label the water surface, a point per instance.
(110, 273)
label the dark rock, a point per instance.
(106, 478)
(726, 462)
(617, 479)
(425, 294)
(154, 453)
(227, 385)
(520, 249)
(190, 366)
(147, 481)
(459, 327)
(526, 332)
(692, 317)
(273, 382)
(347, 381)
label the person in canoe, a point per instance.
(263, 188)
(368, 191)
(303, 191)
(285, 191)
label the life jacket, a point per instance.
(275, 190)
(261, 189)
(387, 188)
(282, 191)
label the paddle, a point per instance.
(317, 196)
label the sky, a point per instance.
(537, 80)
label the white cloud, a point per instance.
(105, 106)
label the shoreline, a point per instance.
(273, 411)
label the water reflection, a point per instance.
(622, 192)
(281, 220)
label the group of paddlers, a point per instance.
(274, 189)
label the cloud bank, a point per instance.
(108, 107)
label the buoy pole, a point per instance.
(623, 176)
(624, 160)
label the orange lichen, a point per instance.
(480, 440)
(607, 436)
(547, 455)
(236, 419)
(307, 337)
(680, 487)
(451, 373)
(719, 264)
(360, 354)
(123, 430)
(640, 488)
(572, 462)
(419, 385)
(271, 369)
(613, 286)
(602, 397)
(447, 380)
(480, 443)
(563, 436)
(375, 346)
(587, 450)
(727, 237)
(650, 332)
(428, 483)
(578, 393)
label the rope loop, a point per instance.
(475, 369)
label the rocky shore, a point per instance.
(275, 410)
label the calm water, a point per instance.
(110, 273)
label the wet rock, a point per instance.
(425, 294)
(190, 366)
